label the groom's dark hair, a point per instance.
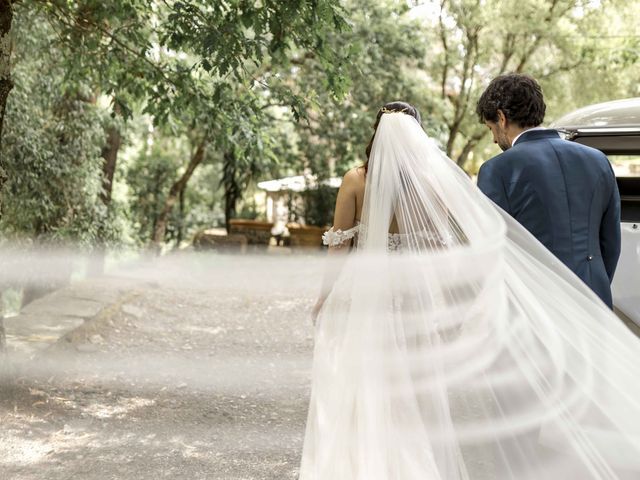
(518, 96)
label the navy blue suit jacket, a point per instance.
(566, 195)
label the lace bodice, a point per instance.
(395, 241)
(338, 238)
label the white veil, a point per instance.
(469, 353)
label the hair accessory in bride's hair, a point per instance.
(388, 110)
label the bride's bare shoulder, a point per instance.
(355, 177)
(353, 181)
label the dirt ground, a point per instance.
(177, 383)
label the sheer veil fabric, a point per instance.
(471, 352)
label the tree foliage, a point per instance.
(472, 41)
(198, 69)
(6, 82)
(141, 120)
(384, 66)
(51, 149)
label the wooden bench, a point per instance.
(214, 241)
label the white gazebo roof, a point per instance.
(297, 183)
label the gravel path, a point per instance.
(180, 383)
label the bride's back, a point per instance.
(359, 176)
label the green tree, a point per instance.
(386, 51)
(6, 83)
(259, 40)
(149, 178)
(51, 151)
(230, 115)
(473, 41)
(111, 47)
(191, 65)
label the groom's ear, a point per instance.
(502, 119)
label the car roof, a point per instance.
(616, 114)
(613, 127)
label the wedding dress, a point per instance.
(460, 348)
(396, 242)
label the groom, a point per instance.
(564, 193)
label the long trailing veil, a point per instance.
(470, 352)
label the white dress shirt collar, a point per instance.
(522, 133)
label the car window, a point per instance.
(625, 165)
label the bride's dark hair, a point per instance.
(390, 107)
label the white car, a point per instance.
(614, 128)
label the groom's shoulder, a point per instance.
(523, 154)
(557, 142)
(503, 163)
(571, 149)
(587, 150)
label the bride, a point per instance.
(450, 344)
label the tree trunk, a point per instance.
(231, 188)
(6, 84)
(174, 193)
(181, 225)
(110, 156)
(469, 146)
(3, 337)
(157, 192)
(464, 155)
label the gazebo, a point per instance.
(283, 204)
(281, 192)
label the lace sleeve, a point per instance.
(337, 238)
